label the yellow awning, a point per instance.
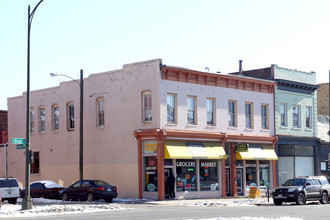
(262, 152)
(193, 150)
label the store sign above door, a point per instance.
(241, 148)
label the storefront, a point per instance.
(250, 163)
(298, 156)
(202, 167)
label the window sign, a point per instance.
(186, 175)
(149, 147)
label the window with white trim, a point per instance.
(171, 108)
(191, 110)
(296, 116)
(55, 118)
(146, 107)
(264, 116)
(42, 119)
(232, 109)
(308, 117)
(31, 120)
(70, 116)
(100, 112)
(210, 108)
(249, 115)
(283, 114)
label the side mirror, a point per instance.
(308, 184)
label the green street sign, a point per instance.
(18, 141)
(20, 146)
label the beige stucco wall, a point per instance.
(110, 152)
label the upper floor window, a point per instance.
(210, 108)
(55, 118)
(70, 116)
(31, 120)
(146, 107)
(232, 109)
(296, 116)
(283, 114)
(308, 117)
(249, 115)
(100, 112)
(171, 108)
(264, 116)
(42, 119)
(191, 110)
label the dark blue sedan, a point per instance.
(89, 190)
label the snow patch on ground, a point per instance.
(250, 218)
(246, 202)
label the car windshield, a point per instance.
(101, 183)
(294, 182)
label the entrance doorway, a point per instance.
(239, 177)
(168, 171)
(227, 181)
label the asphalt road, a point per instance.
(175, 212)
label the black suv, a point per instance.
(302, 189)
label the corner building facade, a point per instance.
(147, 121)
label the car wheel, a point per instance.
(324, 198)
(90, 197)
(301, 200)
(108, 200)
(65, 197)
(276, 202)
(12, 201)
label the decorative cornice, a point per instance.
(219, 80)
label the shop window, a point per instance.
(186, 175)
(35, 165)
(264, 172)
(232, 113)
(210, 107)
(191, 110)
(42, 119)
(251, 172)
(150, 173)
(171, 108)
(146, 107)
(55, 118)
(100, 112)
(208, 172)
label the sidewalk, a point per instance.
(217, 201)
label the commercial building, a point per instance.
(214, 132)
(295, 120)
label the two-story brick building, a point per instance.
(214, 132)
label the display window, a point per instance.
(251, 172)
(186, 175)
(264, 172)
(150, 172)
(208, 171)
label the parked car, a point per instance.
(89, 190)
(302, 189)
(9, 190)
(44, 189)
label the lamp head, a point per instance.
(53, 74)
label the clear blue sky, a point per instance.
(102, 35)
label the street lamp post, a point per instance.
(81, 122)
(27, 200)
